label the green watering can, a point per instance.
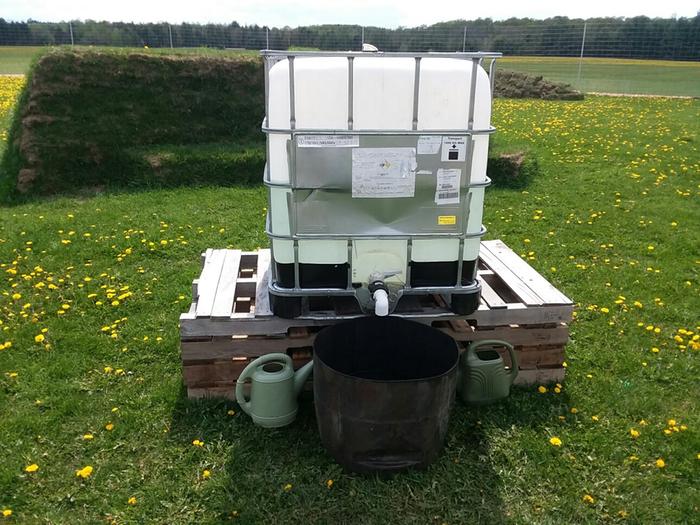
(274, 387)
(483, 377)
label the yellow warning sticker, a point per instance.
(447, 220)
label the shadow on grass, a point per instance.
(513, 168)
(462, 486)
(117, 190)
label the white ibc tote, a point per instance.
(376, 168)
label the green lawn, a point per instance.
(91, 289)
(611, 75)
(15, 60)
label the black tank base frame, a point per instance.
(330, 280)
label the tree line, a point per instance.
(637, 37)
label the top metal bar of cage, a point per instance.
(466, 56)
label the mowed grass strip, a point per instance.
(91, 290)
(614, 75)
(15, 60)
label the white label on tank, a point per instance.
(383, 172)
(328, 141)
(454, 149)
(429, 144)
(447, 188)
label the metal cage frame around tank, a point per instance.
(271, 57)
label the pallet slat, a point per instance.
(208, 281)
(538, 284)
(489, 295)
(262, 298)
(226, 287)
(526, 295)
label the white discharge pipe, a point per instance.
(381, 303)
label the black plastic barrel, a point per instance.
(383, 389)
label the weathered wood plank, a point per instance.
(262, 296)
(208, 282)
(515, 335)
(522, 315)
(538, 284)
(214, 392)
(541, 376)
(488, 294)
(516, 284)
(226, 348)
(226, 289)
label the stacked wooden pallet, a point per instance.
(230, 323)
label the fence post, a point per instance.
(267, 38)
(580, 58)
(464, 40)
(170, 34)
(70, 29)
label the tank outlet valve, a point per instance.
(380, 294)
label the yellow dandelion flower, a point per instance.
(109, 426)
(595, 418)
(660, 463)
(288, 487)
(88, 437)
(206, 474)
(555, 441)
(587, 498)
(198, 443)
(329, 483)
(39, 338)
(131, 500)
(574, 410)
(634, 433)
(231, 412)
(6, 513)
(542, 389)
(31, 468)
(671, 422)
(84, 472)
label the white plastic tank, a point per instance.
(331, 118)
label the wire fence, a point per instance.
(580, 45)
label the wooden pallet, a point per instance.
(230, 323)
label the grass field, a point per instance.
(96, 427)
(613, 75)
(15, 60)
(603, 75)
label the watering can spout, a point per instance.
(301, 375)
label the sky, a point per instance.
(383, 13)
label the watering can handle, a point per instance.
(248, 371)
(496, 342)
